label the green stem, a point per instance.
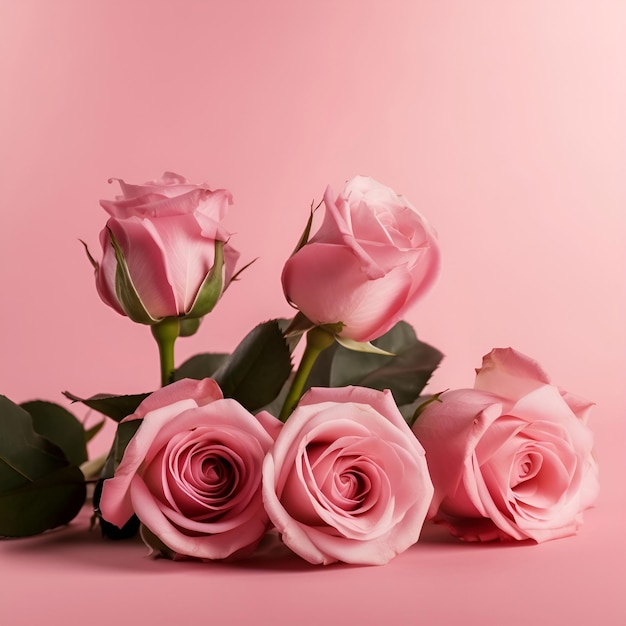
(166, 332)
(317, 340)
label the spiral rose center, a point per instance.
(352, 487)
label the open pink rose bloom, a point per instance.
(346, 479)
(192, 472)
(373, 257)
(511, 458)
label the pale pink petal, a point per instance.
(115, 501)
(147, 265)
(449, 431)
(509, 373)
(202, 392)
(212, 546)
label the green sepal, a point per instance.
(420, 406)
(93, 261)
(157, 547)
(188, 326)
(333, 329)
(212, 286)
(299, 325)
(361, 346)
(238, 273)
(125, 289)
(304, 238)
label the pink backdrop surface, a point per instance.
(503, 122)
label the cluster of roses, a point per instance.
(341, 476)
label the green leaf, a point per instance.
(211, 289)
(115, 407)
(125, 289)
(25, 455)
(256, 371)
(405, 374)
(47, 502)
(111, 531)
(292, 339)
(200, 366)
(93, 431)
(60, 427)
(124, 433)
(39, 487)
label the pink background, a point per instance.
(503, 122)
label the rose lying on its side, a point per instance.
(511, 458)
(346, 479)
(167, 231)
(192, 472)
(373, 257)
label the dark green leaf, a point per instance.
(39, 488)
(200, 366)
(25, 456)
(60, 427)
(111, 531)
(275, 406)
(93, 431)
(405, 374)
(124, 433)
(256, 371)
(115, 407)
(47, 502)
(292, 339)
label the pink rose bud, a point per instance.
(373, 257)
(346, 479)
(511, 458)
(159, 246)
(192, 472)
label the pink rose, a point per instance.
(192, 472)
(373, 257)
(167, 231)
(511, 458)
(346, 479)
